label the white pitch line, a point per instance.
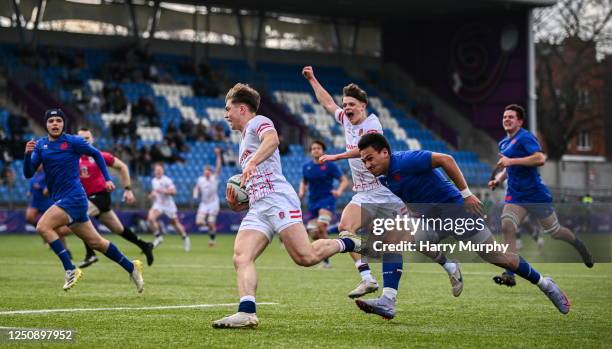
(160, 307)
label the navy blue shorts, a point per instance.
(328, 203)
(540, 205)
(75, 207)
(41, 205)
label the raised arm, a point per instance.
(324, 98)
(349, 154)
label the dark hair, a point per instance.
(316, 141)
(352, 90)
(85, 129)
(243, 93)
(520, 111)
(374, 140)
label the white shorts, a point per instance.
(273, 213)
(380, 198)
(210, 209)
(168, 210)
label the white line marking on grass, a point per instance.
(159, 307)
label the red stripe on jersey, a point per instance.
(263, 129)
(341, 117)
(262, 126)
(372, 131)
(294, 211)
(300, 216)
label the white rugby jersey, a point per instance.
(268, 177)
(164, 183)
(208, 189)
(363, 179)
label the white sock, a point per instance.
(247, 298)
(543, 283)
(366, 275)
(450, 267)
(390, 293)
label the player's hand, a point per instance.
(128, 196)
(109, 186)
(336, 193)
(473, 205)
(30, 146)
(328, 157)
(230, 197)
(301, 195)
(308, 73)
(218, 151)
(492, 184)
(152, 195)
(504, 162)
(247, 173)
(46, 192)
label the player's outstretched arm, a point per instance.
(448, 164)
(498, 178)
(350, 154)
(31, 159)
(269, 144)
(324, 98)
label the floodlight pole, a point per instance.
(19, 26)
(133, 17)
(337, 35)
(242, 37)
(156, 13)
(33, 41)
(531, 91)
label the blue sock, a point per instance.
(509, 272)
(525, 271)
(247, 305)
(392, 270)
(62, 253)
(116, 255)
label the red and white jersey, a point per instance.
(162, 184)
(268, 177)
(90, 174)
(363, 179)
(208, 189)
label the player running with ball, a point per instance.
(273, 207)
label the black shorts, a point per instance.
(101, 200)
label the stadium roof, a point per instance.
(368, 9)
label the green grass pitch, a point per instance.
(312, 309)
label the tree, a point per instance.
(571, 37)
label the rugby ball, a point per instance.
(240, 192)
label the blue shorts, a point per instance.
(538, 205)
(328, 203)
(75, 207)
(41, 205)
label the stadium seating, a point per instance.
(284, 82)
